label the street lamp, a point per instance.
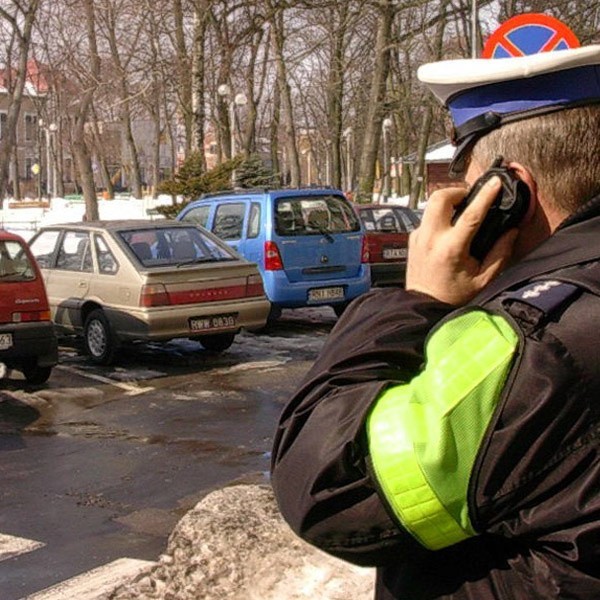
(347, 135)
(236, 100)
(52, 169)
(386, 127)
(49, 131)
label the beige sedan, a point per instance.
(116, 282)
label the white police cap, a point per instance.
(483, 94)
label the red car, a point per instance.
(27, 338)
(386, 231)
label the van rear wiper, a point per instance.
(325, 234)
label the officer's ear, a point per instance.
(547, 214)
(524, 174)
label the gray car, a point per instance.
(116, 282)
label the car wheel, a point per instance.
(339, 309)
(36, 374)
(272, 318)
(274, 313)
(98, 338)
(217, 342)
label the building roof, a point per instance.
(36, 83)
(441, 152)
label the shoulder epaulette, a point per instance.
(545, 295)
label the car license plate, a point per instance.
(331, 293)
(6, 341)
(213, 322)
(392, 253)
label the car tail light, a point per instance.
(364, 252)
(255, 286)
(273, 260)
(30, 316)
(154, 295)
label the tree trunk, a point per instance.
(376, 109)
(184, 79)
(249, 137)
(80, 147)
(417, 189)
(125, 117)
(418, 178)
(134, 161)
(293, 161)
(335, 95)
(154, 108)
(23, 39)
(96, 144)
(13, 177)
(274, 135)
(198, 60)
(225, 92)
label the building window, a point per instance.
(31, 122)
(29, 162)
(3, 117)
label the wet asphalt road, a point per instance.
(101, 462)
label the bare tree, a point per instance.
(201, 21)
(255, 66)
(183, 69)
(376, 110)
(113, 16)
(18, 18)
(90, 80)
(277, 23)
(310, 71)
(338, 22)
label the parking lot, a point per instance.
(100, 463)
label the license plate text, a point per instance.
(213, 322)
(319, 294)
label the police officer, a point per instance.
(448, 432)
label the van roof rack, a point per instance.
(235, 191)
(263, 190)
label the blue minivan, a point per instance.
(308, 244)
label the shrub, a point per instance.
(191, 182)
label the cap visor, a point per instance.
(458, 165)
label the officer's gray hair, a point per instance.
(561, 149)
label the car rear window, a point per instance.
(15, 265)
(314, 215)
(157, 247)
(389, 219)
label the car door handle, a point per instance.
(82, 284)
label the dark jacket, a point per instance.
(533, 489)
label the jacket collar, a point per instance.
(575, 242)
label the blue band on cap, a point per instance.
(519, 95)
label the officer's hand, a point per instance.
(439, 263)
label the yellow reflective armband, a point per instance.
(424, 436)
